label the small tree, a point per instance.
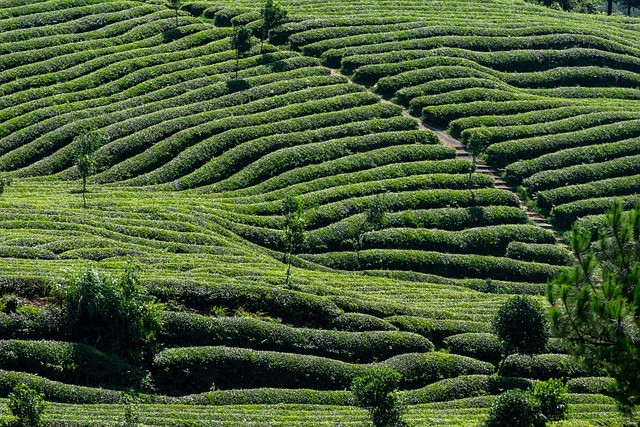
(377, 392)
(241, 42)
(273, 15)
(84, 162)
(552, 396)
(5, 181)
(175, 5)
(521, 324)
(27, 405)
(595, 303)
(375, 218)
(294, 224)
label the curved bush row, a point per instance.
(458, 218)
(564, 215)
(478, 139)
(119, 24)
(536, 252)
(621, 186)
(281, 34)
(596, 153)
(509, 60)
(195, 369)
(543, 367)
(488, 240)
(580, 174)
(503, 153)
(269, 396)
(465, 96)
(69, 362)
(434, 87)
(360, 322)
(125, 147)
(404, 158)
(442, 115)
(276, 160)
(294, 307)
(463, 387)
(482, 346)
(458, 126)
(480, 38)
(437, 330)
(185, 329)
(429, 199)
(190, 159)
(441, 264)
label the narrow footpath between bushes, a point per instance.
(481, 166)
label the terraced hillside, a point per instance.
(550, 97)
(193, 167)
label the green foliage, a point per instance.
(514, 408)
(84, 162)
(553, 399)
(273, 15)
(113, 314)
(175, 5)
(377, 391)
(522, 325)
(594, 305)
(241, 42)
(131, 416)
(294, 225)
(544, 366)
(27, 405)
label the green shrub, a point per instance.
(27, 405)
(522, 325)
(552, 395)
(115, 314)
(377, 392)
(436, 330)
(463, 387)
(539, 252)
(593, 385)
(514, 408)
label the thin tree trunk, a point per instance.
(628, 7)
(609, 7)
(237, 65)
(286, 282)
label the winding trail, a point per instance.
(481, 166)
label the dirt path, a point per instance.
(481, 166)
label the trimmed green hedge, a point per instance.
(621, 186)
(596, 153)
(579, 174)
(441, 264)
(593, 385)
(481, 346)
(463, 387)
(291, 306)
(186, 329)
(436, 330)
(543, 366)
(69, 362)
(539, 252)
(361, 322)
(270, 396)
(503, 153)
(195, 369)
(564, 215)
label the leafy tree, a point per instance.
(552, 398)
(273, 15)
(241, 42)
(629, 4)
(86, 144)
(377, 392)
(521, 324)
(175, 5)
(113, 314)
(375, 218)
(294, 224)
(27, 405)
(595, 303)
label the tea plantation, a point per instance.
(194, 167)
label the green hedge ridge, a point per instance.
(69, 362)
(186, 329)
(291, 306)
(482, 346)
(543, 366)
(442, 264)
(436, 330)
(196, 369)
(539, 252)
(361, 322)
